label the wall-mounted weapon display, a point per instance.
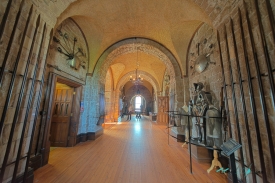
(3, 23)
(200, 62)
(20, 97)
(67, 45)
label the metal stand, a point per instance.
(168, 131)
(237, 146)
(233, 168)
(190, 153)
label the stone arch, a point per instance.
(130, 45)
(60, 60)
(147, 76)
(147, 46)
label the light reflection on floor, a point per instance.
(137, 127)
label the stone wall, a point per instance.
(213, 80)
(14, 128)
(219, 12)
(59, 62)
(89, 117)
(239, 56)
(211, 77)
(13, 125)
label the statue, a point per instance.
(167, 79)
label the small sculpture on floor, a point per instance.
(215, 162)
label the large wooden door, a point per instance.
(163, 106)
(61, 117)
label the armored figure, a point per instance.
(206, 124)
(198, 107)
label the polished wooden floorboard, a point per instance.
(127, 152)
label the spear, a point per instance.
(36, 112)
(243, 103)
(252, 101)
(235, 103)
(271, 81)
(7, 54)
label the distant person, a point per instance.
(139, 113)
(130, 109)
(124, 110)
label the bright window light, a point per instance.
(138, 102)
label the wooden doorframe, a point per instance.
(49, 106)
(162, 116)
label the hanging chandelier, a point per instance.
(137, 79)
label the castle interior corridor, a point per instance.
(73, 71)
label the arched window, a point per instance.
(137, 102)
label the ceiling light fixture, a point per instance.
(138, 79)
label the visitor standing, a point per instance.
(130, 109)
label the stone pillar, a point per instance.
(116, 105)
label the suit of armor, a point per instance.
(198, 107)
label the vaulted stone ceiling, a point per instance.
(105, 22)
(148, 63)
(171, 23)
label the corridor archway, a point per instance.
(145, 47)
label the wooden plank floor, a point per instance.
(127, 152)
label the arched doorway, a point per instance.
(139, 103)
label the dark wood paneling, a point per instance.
(163, 106)
(50, 103)
(83, 137)
(36, 162)
(61, 117)
(45, 150)
(180, 138)
(68, 82)
(72, 140)
(201, 154)
(94, 135)
(29, 178)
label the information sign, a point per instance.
(230, 147)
